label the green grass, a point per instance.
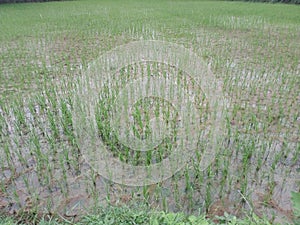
(125, 215)
(251, 48)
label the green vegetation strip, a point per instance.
(127, 216)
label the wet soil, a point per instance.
(43, 173)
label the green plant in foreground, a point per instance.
(112, 215)
(124, 215)
(296, 206)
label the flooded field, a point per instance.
(254, 60)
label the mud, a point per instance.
(43, 173)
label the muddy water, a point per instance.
(42, 172)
